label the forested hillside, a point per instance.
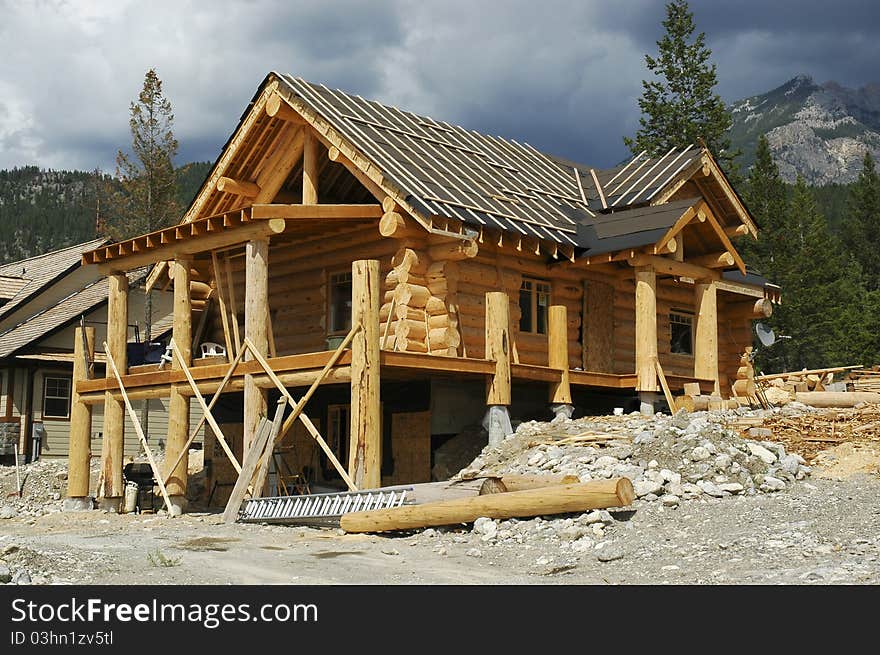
(43, 210)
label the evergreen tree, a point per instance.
(681, 106)
(767, 199)
(147, 195)
(815, 291)
(861, 225)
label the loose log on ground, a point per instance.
(836, 398)
(597, 494)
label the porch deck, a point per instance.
(301, 370)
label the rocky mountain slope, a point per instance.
(818, 130)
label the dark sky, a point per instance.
(563, 75)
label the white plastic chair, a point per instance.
(211, 349)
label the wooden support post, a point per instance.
(80, 417)
(498, 348)
(310, 168)
(557, 337)
(365, 449)
(706, 333)
(224, 309)
(113, 443)
(178, 403)
(256, 313)
(646, 328)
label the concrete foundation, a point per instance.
(497, 423)
(648, 402)
(78, 504)
(562, 410)
(111, 504)
(178, 505)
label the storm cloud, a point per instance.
(563, 75)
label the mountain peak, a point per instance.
(818, 132)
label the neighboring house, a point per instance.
(640, 258)
(43, 299)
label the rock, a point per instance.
(608, 552)
(645, 487)
(670, 476)
(485, 526)
(474, 552)
(723, 461)
(655, 476)
(605, 461)
(790, 464)
(21, 577)
(390, 551)
(760, 433)
(572, 532)
(674, 489)
(670, 500)
(5, 573)
(772, 484)
(7, 512)
(731, 487)
(700, 454)
(582, 545)
(681, 419)
(643, 437)
(710, 488)
(759, 451)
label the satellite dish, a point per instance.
(765, 334)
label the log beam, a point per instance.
(365, 448)
(238, 187)
(178, 404)
(80, 416)
(557, 338)
(277, 107)
(256, 313)
(713, 260)
(646, 328)
(395, 225)
(310, 168)
(671, 267)
(706, 333)
(112, 446)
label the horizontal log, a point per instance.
(411, 260)
(277, 107)
(616, 492)
(410, 329)
(397, 226)
(668, 266)
(453, 250)
(836, 398)
(409, 345)
(243, 188)
(444, 338)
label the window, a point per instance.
(534, 300)
(56, 397)
(681, 329)
(340, 302)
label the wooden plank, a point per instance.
(599, 322)
(666, 392)
(192, 435)
(306, 421)
(140, 432)
(233, 307)
(252, 458)
(597, 494)
(263, 466)
(221, 298)
(365, 450)
(706, 333)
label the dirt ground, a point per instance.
(819, 531)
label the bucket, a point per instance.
(131, 498)
(618, 411)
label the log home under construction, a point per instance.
(396, 275)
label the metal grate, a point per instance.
(318, 509)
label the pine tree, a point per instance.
(767, 200)
(681, 106)
(147, 196)
(815, 290)
(861, 225)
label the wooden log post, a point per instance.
(706, 332)
(557, 339)
(178, 403)
(256, 314)
(646, 336)
(113, 442)
(498, 349)
(365, 446)
(80, 423)
(310, 168)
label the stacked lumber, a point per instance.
(866, 379)
(806, 380)
(744, 386)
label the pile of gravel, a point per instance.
(669, 459)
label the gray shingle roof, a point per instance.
(37, 272)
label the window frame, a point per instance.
(330, 314)
(689, 315)
(534, 294)
(69, 399)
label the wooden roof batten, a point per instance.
(219, 231)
